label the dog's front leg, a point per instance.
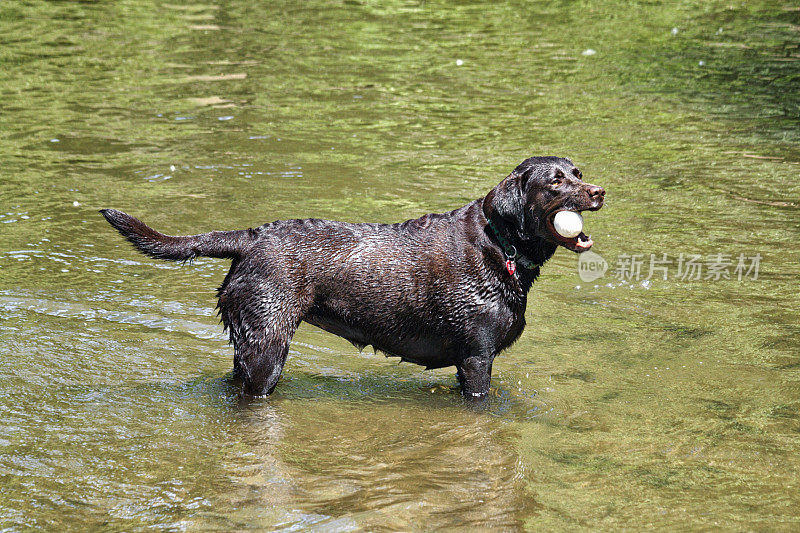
(475, 375)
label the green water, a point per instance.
(627, 403)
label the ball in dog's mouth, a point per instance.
(571, 224)
(568, 224)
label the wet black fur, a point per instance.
(433, 291)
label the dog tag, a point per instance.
(511, 266)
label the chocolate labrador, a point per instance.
(441, 290)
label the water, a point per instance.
(626, 403)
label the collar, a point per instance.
(509, 250)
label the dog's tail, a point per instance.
(224, 244)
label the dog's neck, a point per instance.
(535, 250)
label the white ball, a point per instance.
(568, 224)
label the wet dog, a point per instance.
(442, 290)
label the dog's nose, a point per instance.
(596, 193)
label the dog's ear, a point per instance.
(507, 202)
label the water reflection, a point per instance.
(373, 464)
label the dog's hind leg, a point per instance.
(261, 325)
(260, 359)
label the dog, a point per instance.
(441, 290)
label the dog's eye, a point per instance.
(555, 182)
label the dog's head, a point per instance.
(529, 198)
